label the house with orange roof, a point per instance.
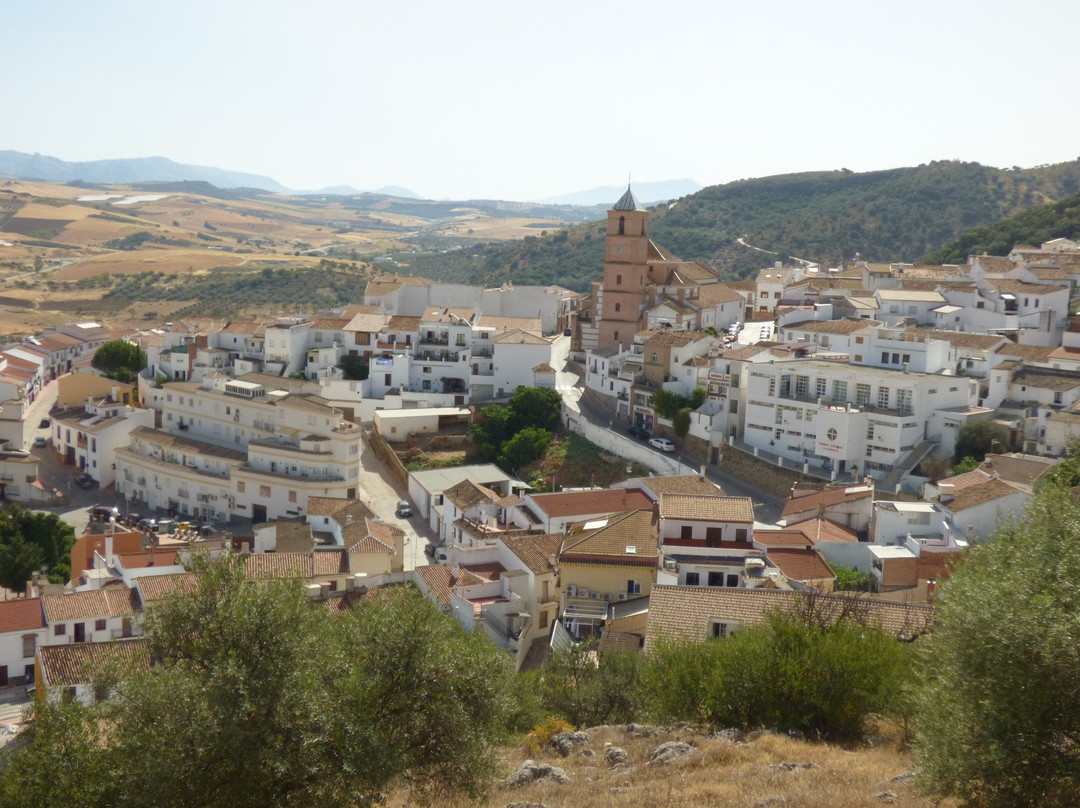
(607, 560)
(22, 629)
(67, 671)
(850, 506)
(707, 540)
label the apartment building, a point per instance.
(843, 418)
(256, 447)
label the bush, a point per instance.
(789, 673)
(538, 738)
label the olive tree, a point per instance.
(258, 697)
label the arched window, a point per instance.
(618, 306)
(622, 225)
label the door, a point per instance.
(3, 676)
(258, 514)
(125, 627)
(732, 580)
(713, 536)
(80, 632)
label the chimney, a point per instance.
(907, 365)
(701, 473)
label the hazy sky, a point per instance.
(528, 100)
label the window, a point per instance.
(772, 386)
(99, 625)
(426, 384)
(839, 391)
(654, 357)
(884, 357)
(59, 630)
(240, 487)
(733, 406)
(618, 307)
(821, 387)
(693, 579)
(740, 534)
(719, 630)
(776, 295)
(622, 225)
(686, 532)
(764, 294)
(862, 394)
(903, 401)
(292, 496)
(869, 430)
(802, 386)
(618, 280)
(264, 491)
(1058, 398)
(29, 645)
(907, 358)
(858, 340)
(883, 397)
(716, 579)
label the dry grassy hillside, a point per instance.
(68, 252)
(764, 770)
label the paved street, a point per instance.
(767, 506)
(381, 493)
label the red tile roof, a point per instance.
(801, 564)
(21, 614)
(118, 601)
(578, 503)
(73, 664)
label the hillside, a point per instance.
(1056, 220)
(150, 251)
(761, 769)
(895, 215)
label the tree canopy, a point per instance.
(31, 541)
(535, 409)
(258, 697)
(119, 359)
(998, 717)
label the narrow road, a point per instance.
(767, 506)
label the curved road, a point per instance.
(767, 506)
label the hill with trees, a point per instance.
(895, 215)
(1056, 220)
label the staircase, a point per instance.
(914, 456)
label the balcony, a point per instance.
(434, 339)
(441, 356)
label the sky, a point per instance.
(524, 101)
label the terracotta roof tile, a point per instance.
(800, 564)
(468, 494)
(587, 503)
(631, 536)
(980, 494)
(21, 614)
(686, 612)
(108, 602)
(706, 508)
(158, 587)
(74, 664)
(800, 503)
(538, 553)
(681, 484)
(442, 579)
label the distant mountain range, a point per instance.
(647, 193)
(127, 170)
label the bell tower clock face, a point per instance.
(620, 250)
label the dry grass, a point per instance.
(720, 773)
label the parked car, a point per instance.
(663, 444)
(404, 509)
(41, 441)
(84, 481)
(45, 423)
(639, 431)
(441, 556)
